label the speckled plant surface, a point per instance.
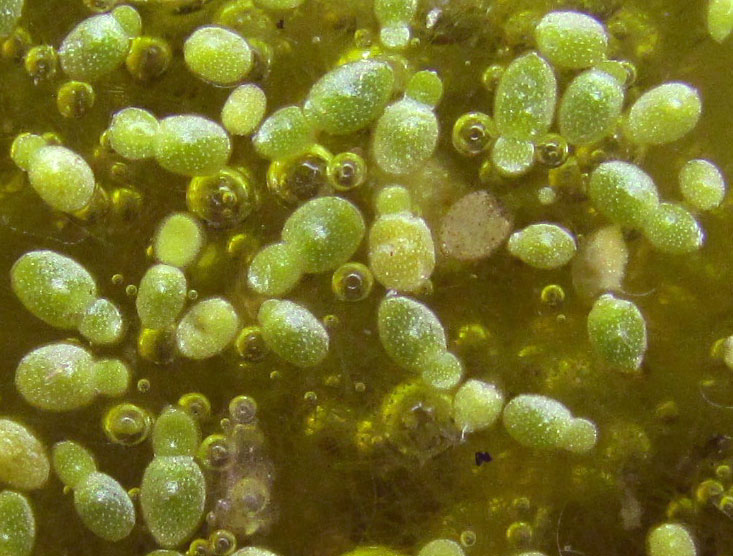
(366, 278)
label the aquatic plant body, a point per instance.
(365, 278)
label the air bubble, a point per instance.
(352, 282)
(127, 424)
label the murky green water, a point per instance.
(331, 493)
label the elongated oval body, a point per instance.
(537, 421)
(702, 184)
(244, 109)
(391, 11)
(444, 372)
(719, 19)
(441, 547)
(543, 245)
(191, 145)
(132, 133)
(278, 4)
(394, 17)
(590, 107)
(617, 333)
(405, 136)
(175, 433)
(218, 55)
(324, 232)
(172, 498)
(102, 323)
(207, 328)
(410, 333)
(161, 296)
(477, 405)
(53, 287)
(358, 551)
(129, 19)
(72, 463)
(393, 199)
(673, 229)
(9, 15)
(57, 377)
(292, 332)
(512, 157)
(283, 134)
(624, 193)
(104, 506)
(524, 105)
(571, 40)
(179, 240)
(17, 525)
(62, 178)
(24, 147)
(664, 114)
(111, 377)
(95, 47)
(670, 539)
(425, 87)
(275, 270)
(581, 436)
(349, 97)
(23, 461)
(401, 251)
